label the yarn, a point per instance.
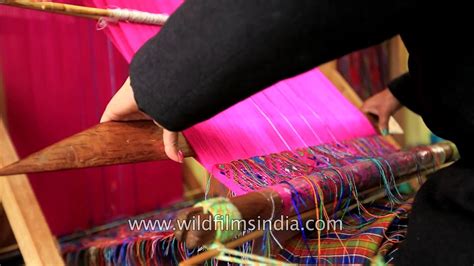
(360, 240)
(305, 116)
(242, 258)
(345, 168)
(224, 214)
(137, 16)
(117, 244)
(258, 172)
(303, 119)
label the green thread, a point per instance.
(224, 214)
(378, 261)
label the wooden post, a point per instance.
(34, 238)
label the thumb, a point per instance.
(170, 141)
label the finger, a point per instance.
(108, 115)
(170, 141)
(122, 106)
(383, 124)
(369, 109)
(371, 114)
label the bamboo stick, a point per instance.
(81, 11)
(59, 7)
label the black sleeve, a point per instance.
(403, 88)
(212, 54)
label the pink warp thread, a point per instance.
(306, 110)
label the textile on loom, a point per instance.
(292, 129)
(258, 172)
(369, 230)
(118, 244)
(289, 134)
(302, 111)
(364, 236)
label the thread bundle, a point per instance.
(138, 16)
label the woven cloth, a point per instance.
(362, 239)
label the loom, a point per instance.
(302, 150)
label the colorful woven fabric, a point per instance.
(310, 178)
(129, 242)
(362, 238)
(262, 171)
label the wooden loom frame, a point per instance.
(22, 211)
(37, 244)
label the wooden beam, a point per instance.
(108, 143)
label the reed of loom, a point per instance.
(75, 10)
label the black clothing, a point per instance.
(440, 226)
(212, 54)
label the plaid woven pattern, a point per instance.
(362, 238)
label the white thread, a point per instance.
(272, 216)
(138, 16)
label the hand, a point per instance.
(383, 105)
(122, 107)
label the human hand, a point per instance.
(122, 107)
(383, 105)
